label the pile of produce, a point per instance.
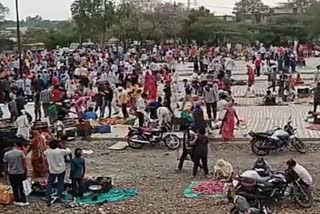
(209, 188)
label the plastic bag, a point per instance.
(27, 186)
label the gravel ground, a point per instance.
(151, 170)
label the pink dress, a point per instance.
(82, 101)
(153, 88)
(228, 125)
(147, 82)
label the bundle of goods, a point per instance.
(84, 128)
(70, 122)
(5, 124)
(6, 195)
(111, 121)
(39, 125)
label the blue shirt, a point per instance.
(78, 168)
(90, 115)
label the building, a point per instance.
(227, 18)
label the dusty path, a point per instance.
(151, 170)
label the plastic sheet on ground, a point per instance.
(121, 145)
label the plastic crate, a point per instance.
(103, 129)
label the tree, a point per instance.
(250, 8)
(193, 17)
(93, 18)
(35, 19)
(3, 11)
(312, 20)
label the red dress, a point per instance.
(228, 124)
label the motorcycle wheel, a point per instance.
(255, 144)
(234, 210)
(299, 145)
(305, 198)
(132, 144)
(172, 141)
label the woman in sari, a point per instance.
(228, 123)
(38, 161)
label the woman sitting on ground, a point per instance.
(298, 80)
(223, 170)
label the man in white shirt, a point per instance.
(57, 168)
(301, 171)
(230, 65)
(141, 106)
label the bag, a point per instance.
(6, 195)
(27, 186)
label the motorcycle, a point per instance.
(277, 187)
(264, 142)
(138, 137)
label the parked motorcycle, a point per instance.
(277, 187)
(138, 137)
(264, 142)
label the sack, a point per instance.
(27, 186)
(6, 195)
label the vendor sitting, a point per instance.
(298, 80)
(90, 114)
(269, 99)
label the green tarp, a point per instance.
(113, 195)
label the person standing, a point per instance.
(317, 74)
(20, 102)
(174, 92)
(198, 117)
(77, 172)
(316, 98)
(38, 161)
(211, 97)
(45, 98)
(37, 106)
(230, 65)
(141, 106)
(16, 169)
(228, 123)
(258, 64)
(200, 152)
(108, 97)
(57, 168)
(123, 101)
(188, 95)
(23, 126)
(250, 78)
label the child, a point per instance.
(77, 172)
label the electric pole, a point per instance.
(18, 38)
(189, 4)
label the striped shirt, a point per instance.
(45, 96)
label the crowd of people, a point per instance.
(122, 81)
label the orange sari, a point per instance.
(38, 160)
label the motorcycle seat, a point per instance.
(262, 133)
(264, 184)
(150, 129)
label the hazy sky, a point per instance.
(60, 9)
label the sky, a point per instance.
(60, 9)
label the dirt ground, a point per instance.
(151, 171)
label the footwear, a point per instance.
(116, 113)
(52, 201)
(24, 204)
(17, 203)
